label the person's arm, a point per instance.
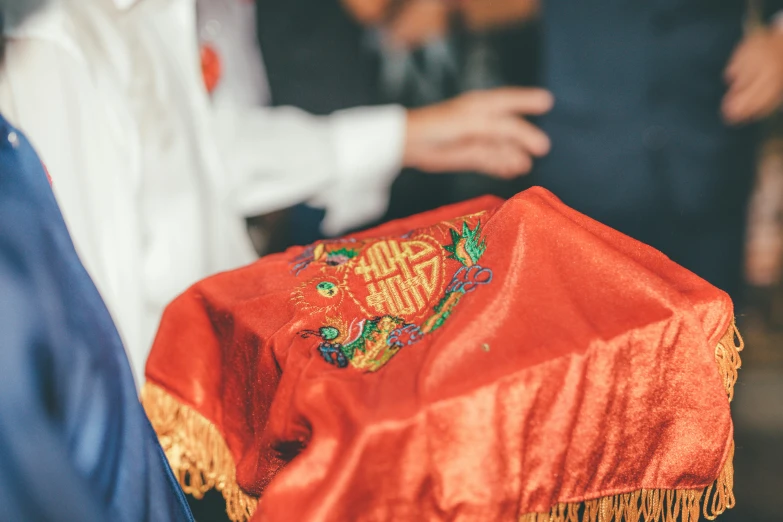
(47, 91)
(754, 76)
(38, 478)
(283, 156)
(346, 162)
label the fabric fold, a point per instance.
(486, 361)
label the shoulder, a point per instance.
(29, 213)
(50, 28)
(23, 179)
(80, 36)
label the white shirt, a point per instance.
(153, 179)
(229, 27)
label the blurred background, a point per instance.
(419, 54)
(666, 123)
(327, 55)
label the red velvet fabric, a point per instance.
(572, 363)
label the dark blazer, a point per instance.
(637, 131)
(75, 445)
(315, 59)
(314, 55)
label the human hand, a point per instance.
(755, 77)
(481, 131)
(367, 12)
(484, 15)
(418, 22)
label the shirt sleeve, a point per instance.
(369, 146)
(279, 157)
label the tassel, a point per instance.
(727, 355)
(198, 455)
(658, 505)
(201, 461)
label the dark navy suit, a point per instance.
(75, 445)
(638, 139)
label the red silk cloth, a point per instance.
(492, 365)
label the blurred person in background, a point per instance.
(75, 444)
(155, 179)
(431, 49)
(653, 130)
(419, 61)
(764, 249)
(321, 58)
(316, 60)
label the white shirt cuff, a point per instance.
(368, 146)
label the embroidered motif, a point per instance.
(401, 277)
(328, 253)
(468, 247)
(395, 283)
(367, 349)
(327, 289)
(323, 293)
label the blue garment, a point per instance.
(75, 444)
(638, 141)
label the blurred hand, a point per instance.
(755, 77)
(418, 22)
(482, 131)
(484, 15)
(367, 12)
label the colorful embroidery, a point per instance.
(323, 293)
(468, 247)
(395, 284)
(367, 349)
(329, 253)
(400, 277)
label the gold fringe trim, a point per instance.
(658, 505)
(198, 455)
(201, 461)
(727, 355)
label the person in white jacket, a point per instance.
(155, 181)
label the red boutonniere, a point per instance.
(211, 67)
